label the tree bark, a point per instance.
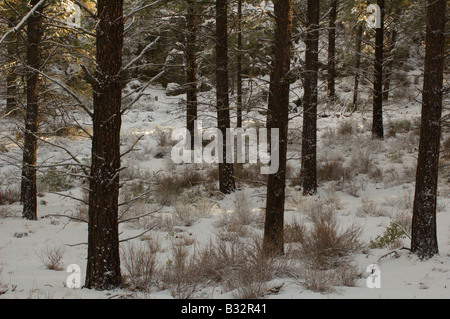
(11, 77)
(332, 50)
(29, 189)
(359, 35)
(191, 69)
(103, 265)
(226, 171)
(278, 117)
(377, 126)
(239, 65)
(424, 234)
(310, 99)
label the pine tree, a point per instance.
(424, 235)
(226, 180)
(310, 100)
(103, 261)
(377, 126)
(33, 60)
(278, 117)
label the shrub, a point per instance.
(54, 181)
(139, 263)
(9, 196)
(345, 128)
(324, 246)
(390, 238)
(398, 127)
(51, 257)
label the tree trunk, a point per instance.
(11, 77)
(29, 190)
(278, 117)
(377, 127)
(103, 265)
(332, 50)
(309, 140)
(357, 66)
(424, 234)
(226, 180)
(239, 65)
(390, 63)
(191, 69)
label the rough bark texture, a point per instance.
(278, 118)
(11, 77)
(359, 34)
(226, 171)
(377, 126)
(332, 50)
(309, 140)
(424, 235)
(191, 69)
(103, 266)
(29, 190)
(239, 65)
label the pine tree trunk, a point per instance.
(377, 127)
(226, 180)
(29, 189)
(239, 65)
(332, 50)
(103, 265)
(424, 235)
(390, 64)
(310, 99)
(357, 66)
(278, 117)
(191, 69)
(11, 77)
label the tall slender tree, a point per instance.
(239, 64)
(332, 50)
(227, 183)
(310, 100)
(103, 261)
(359, 34)
(191, 67)
(33, 61)
(377, 125)
(424, 234)
(278, 118)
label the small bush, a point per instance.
(391, 238)
(369, 208)
(139, 263)
(51, 257)
(54, 181)
(345, 128)
(398, 127)
(9, 196)
(325, 245)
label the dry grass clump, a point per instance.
(51, 257)
(325, 281)
(9, 196)
(398, 127)
(370, 208)
(345, 128)
(170, 186)
(140, 264)
(333, 170)
(324, 245)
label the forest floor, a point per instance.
(365, 186)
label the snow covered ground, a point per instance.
(381, 193)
